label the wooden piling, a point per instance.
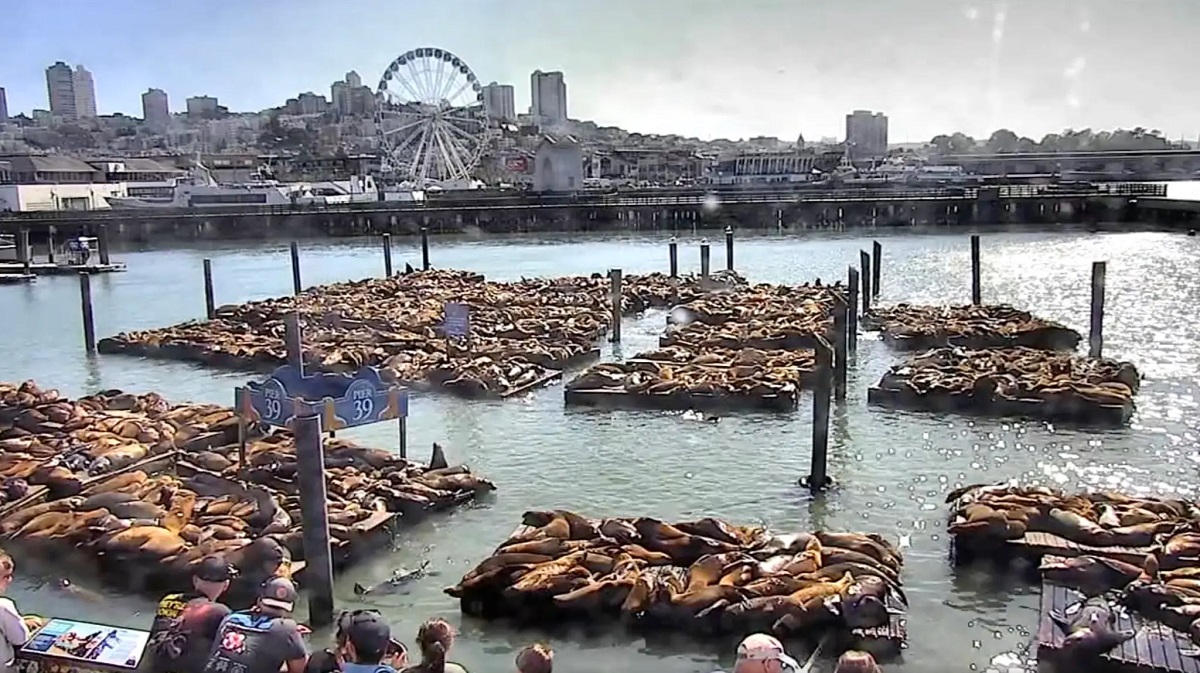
(296, 285)
(50, 244)
(210, 303)
(310, 477)
(614, 277)
(818, 477)
(705, 254)
(976, 274)
(852, 309)
(864, 260)
(839, 348)
(89, 321)
(729, 248)
(293, 341)
(1096, 334)
(876, 266)
(404, 438)
(425, 248)
(102, 242)
(24, 253)
(673, 254)
(387, 255)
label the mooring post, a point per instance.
(102, 242)
(704, 258)
(89, 322)
(852, 309)
(425, 248)
(50, 244)
(387, 255)
(729, 248)
(24, 254)
(673, 254)
(818, 477)
(404, 438)
(318, 569)
(976, 276)
(1096, 334)
(210, 303)
(293, 341)
(864, 261)
(839, 348)
(614, 277)
(876, 264)
(295, 268)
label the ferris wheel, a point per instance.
(430, 117)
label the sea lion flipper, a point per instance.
(1193, 653)
(360, 590)
(834, 605)
(1061, 620)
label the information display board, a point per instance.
(91, 646)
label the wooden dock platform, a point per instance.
(1036, 545)
(47, 269)
(1154, 649)
(620, 399)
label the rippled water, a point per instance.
(894, 468)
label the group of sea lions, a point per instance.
(749, 342)
(705, 575)
(214, 505)
(1012, 381)
(985, 514)
(911, 326)
(521, 333)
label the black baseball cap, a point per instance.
(279, 593)
(214, 569)
(367, 631)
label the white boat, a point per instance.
(334, 192)
(199, 190)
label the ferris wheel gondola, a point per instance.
(430, 117)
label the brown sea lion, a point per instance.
(45, 525)
(870, 544)
(832, 555)
(711, 528)
(105, 499)
(505, 560)
(549, 546)
(618, 529)
(1091, 575)
(707, 570)
(694, 601)
(578, 528)
(118, 482)
(17, 519)
(683, 548)
(856, 661)
(540, 573)
(551, 584)
(802, 608)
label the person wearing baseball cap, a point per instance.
(185, 624)
(263, 638)
(762, 653)
(363, 641)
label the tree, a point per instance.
(960, 143)
(1003, 141)
(940, 144)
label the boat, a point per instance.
(335, 192)
(198, 189)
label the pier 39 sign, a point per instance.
(341, 400)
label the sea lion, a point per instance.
(105, 499)
(549, 546)
(711, 528)
(708, 570)
(118, 482)
(392, 584)
(683, 548)
(1091, 629)
(545, 572)
(855, 661)
(18, 519)
(864, 604)
(870, 544)
(1091, 575)
(833, 555)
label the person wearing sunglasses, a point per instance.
(364, 644)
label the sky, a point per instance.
(707, 68)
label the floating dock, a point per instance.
(47, 269)
(680, 401)
(17, 278)
(1154, 649)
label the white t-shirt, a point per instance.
(13, 630)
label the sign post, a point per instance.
(309, 406)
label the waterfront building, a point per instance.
(549, 98)
(155, 109)
(867, 133)
(558, 165)
(500, 100)
(199, 107)
(765, 168)
(54, 182)
(3, 106)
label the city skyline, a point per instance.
(693, 67)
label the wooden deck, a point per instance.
(1155, 648)
(1036, 545)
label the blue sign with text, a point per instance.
(341, 400)
(456, 320)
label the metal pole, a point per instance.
(387, 255)
(876, 263)
(296, 286)
(404, 438)
(614, 277)
(293, 337)
(705, 254)
(1096, 334)
(210, 303)
(425, 248)
(852, 309)
(102, 243)
(673, 253)
(976, 275)
(318, 569)
(50, 244)
(818, 477)
(89, 324)
(839, 348)
(729, 248)
(864, 261)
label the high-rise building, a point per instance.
(3, 106)
(501, 101)
(350, 97)
(155, 109)
(353, 80)
(60, 87)
(867, 133)
(85, 93)
(549, 93)
(202, 106)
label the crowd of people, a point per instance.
(193, 632)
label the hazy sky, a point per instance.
(712, 68)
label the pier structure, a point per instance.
(646, 210)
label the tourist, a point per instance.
(434, 638)
(13, 626)
(186, 624)
(264, 638)
(855, 661)
(536, 658)
(354, 630)
(761, 653)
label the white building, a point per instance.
(558, 165)
(85, 93)
(156, 109)
(202, 106)
(501, 101)
(867, 133)
(549, 104)
(60, 87)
